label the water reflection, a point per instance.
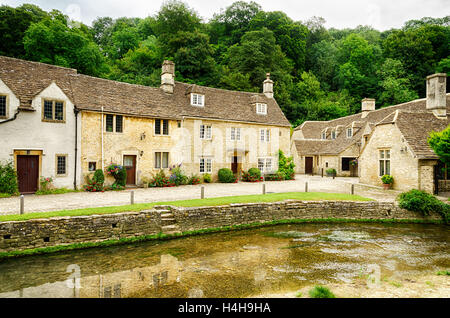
(235, 264)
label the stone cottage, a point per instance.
(95, 122)
(343, 143)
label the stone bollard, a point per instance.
(334, 175)
(353, 189)
(22, 204)
(306, 186)
(202, 192)
(264, 188)
(132, 197)
(322, 172)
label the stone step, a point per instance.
(172, 232)
(172, 227)
(166, 215)
(168, 220)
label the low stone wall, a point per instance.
(38, 233)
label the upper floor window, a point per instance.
(54, 111)
(333, 134)
(205, 132)
(349, 132)
(3, 105)
(324, 135)
(197, 100)
(161, 127)
(385, 162)
(109, 123)
(261, 108)
(235, 133)
(205, 165)
(264, 134)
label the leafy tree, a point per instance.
(440, 143)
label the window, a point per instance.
(164, 123)
(53, 111)
(161, 160)
(349, 132)
(324, 135)
(333, 134)
(265, 164)
(264, 135)
(61, 165)
(205, 132)
(235, 133)
(197, 100)
(92, 166)
(205, 165)
(2, 106)
(385, 162)
(109, 122)
(346, 164)
(119, 123)
(261, 108)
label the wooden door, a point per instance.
(234, 164)
(308, 165)
(28, 173)
(129, 162)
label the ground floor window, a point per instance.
(346, 164)
(385, 162)
(161, 160)
(92, 166)
(61, 165)
(265, 164)
(205, 165)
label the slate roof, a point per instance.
(312, 130)
(26, 79)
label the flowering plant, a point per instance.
(113, 169)
(249, 177)
(161, 180)
(46, 183)
(93, 186)
(194, 179)
(118, 172)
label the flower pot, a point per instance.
(386, 186)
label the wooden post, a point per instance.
(334, 175)
(22, 204)
(264, 188)
(353, 188)
(322, 172)
(132, 197)
(306, 186)
(202, 192)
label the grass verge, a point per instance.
(161, 236)
(271, 197)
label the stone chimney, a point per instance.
(168, 76)
(367, 105)
(436, 99)
(268, 87)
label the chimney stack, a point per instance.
(268, 87)
(168, 76)
(367, 105)
(436, 99)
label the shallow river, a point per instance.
(258, 262)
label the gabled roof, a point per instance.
(311, 146)
(415, 128)
(26, 79)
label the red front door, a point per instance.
(28, 173)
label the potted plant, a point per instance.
(331, 172)
(387, 180)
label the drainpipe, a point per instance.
(76, 111)
(103, 165)
(12, 118)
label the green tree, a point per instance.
(440, 143)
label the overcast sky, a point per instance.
(381, 14)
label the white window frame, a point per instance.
(324, 135)
(205, 165)
(205, 132)
(333, 134)
(235, 133)
(264, 135)
(265, 164)
(261, 108)
(160, 155)
(197, 100)
(349, 132)
(384, 162)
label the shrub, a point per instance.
(321, 292)
(114, 187)
(161, 180)
(387, 179)
(177, 176)
(286, 166)
(420, 201)
(118, 172)
(8, 178)
(331, 171)
(93, 186)
(254, 172)
(45, 184)
(194, 179)
(278, 176)
(253, 175)
(226, 175)
(207, 178)
(99, 177)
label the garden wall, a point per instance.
(39, 233)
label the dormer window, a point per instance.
(349, 132)
(333, 134)
(54, 111)
(324, 135)
(261, 108)
(197, 100)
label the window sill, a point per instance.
(54, 121)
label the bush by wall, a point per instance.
(194, 179)
(278, 176)
(161, 180)
(226, 176)
(207, 178)
(331, 171)
(421, 201)
(387, 179)
(8, 178)
(286, 166)
(253, 175)
(99, 177)
(177, 176)
(321, 292)
(119, 173)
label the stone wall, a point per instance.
(38, 233)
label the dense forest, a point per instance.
(319, 73)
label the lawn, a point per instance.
(271, 197)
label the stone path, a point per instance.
(39, 203)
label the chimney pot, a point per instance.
(168, 76)
(268, 86)
(436, 91)
(367, 105)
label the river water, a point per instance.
(258, 262)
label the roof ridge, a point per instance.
(114, 81)
(219, 89)
(41, 63)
